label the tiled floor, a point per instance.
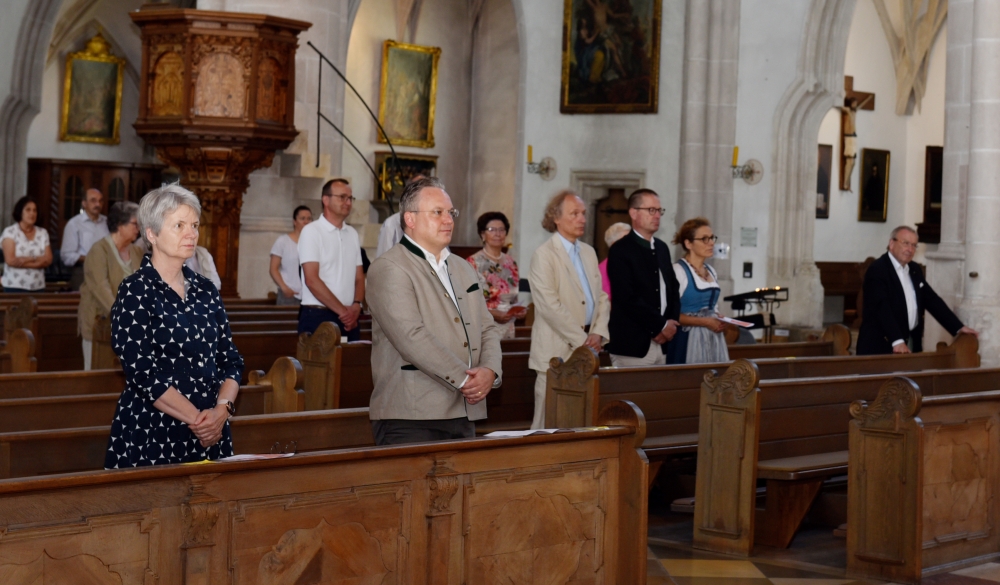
(816, 557)
(668, 564)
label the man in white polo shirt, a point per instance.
(333, 282)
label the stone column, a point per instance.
(980, 307)
(946, 265)
(708, 131)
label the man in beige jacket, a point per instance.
(571, 308)
(435, 346)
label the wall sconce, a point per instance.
(545, 169)
(751, 172)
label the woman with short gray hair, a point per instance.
(170, 331)
(109, 261)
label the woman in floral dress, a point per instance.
(497, 271)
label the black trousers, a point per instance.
(395, 431)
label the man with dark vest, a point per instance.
(645, 303)
(895, 296)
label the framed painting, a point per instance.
(92, 95)
(823, 171)
(873, 204)
(611, 56)
(407, 94)
(409, 166)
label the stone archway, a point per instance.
(819, 81)
(25, 98)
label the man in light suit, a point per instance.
(571, 308)
(895, 296)
(435, 346)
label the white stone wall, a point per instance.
(869, 61)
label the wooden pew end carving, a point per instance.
(624, 413)
(966, 348)
(320, 355)
(285, 379)
(571, 389)
(840, 337)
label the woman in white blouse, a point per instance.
(700, 339)
(285, 259)
(26, 250)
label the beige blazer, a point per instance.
(421, 344)
(102, 274)
(560, 304)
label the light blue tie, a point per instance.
(582, 275)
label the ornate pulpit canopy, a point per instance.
(217, 100)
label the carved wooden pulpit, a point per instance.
(216, 101)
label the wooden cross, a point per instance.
(853, 101)
(866, 101)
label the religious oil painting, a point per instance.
(611, 56)
(874, 180)
(92, 95)
(823, 171)
(407, 94)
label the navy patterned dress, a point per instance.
(164, 341)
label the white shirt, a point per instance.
(663, 285)
(25, 278)
(389, 235)
(441, 269)
(79, 235)
(288, 251)
(910, 293)
(338, 252)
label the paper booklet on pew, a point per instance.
(736, 322)
(257, 457)
(527, 433)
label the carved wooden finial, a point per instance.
(899, 395)
(624, 413)
(581, 365)
(319, 344)
(740, 379)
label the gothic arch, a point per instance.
(819, 82)
(25, 98)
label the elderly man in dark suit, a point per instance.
(895, 296)
(645, 302)
(435, 346)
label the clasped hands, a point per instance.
(207, 426)
(479, 384)
(349, 317)
(668, 332)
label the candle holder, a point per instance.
(751, 172)
(546, 169)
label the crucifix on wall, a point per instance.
(853, 101)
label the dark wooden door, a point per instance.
(609, 211)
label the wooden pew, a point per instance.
(669, 394)
(339, 375)
(791, 433)
(464, 511)
(923, 484)
(277, 391)
(836, 341)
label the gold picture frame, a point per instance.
(407, 94)
(873, 199)
(612, 68)
(92, 95)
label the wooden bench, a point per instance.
(277, 391)
(791, 433)
(454, 511)
(924, 481)
(669, 394)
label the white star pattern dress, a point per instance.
(164, 341)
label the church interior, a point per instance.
(804, 131)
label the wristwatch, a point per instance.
(230, 407)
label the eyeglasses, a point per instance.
(346, 198)
(439, 213)
(496, 230)
(653, 210)
(707, 239)
(906, 244)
